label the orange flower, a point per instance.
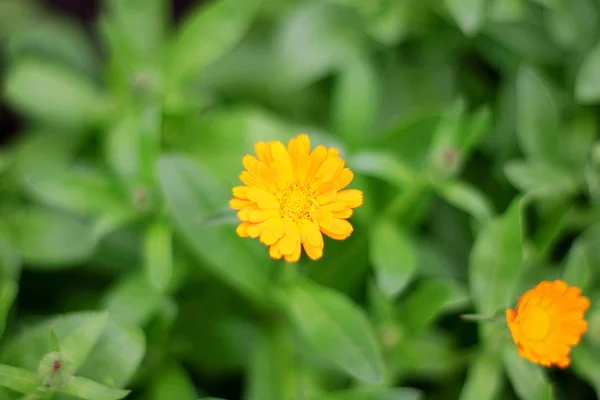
(292, 195)
(547, 322)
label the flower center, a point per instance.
(296, 202)
(536, 323)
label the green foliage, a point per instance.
(470, 126)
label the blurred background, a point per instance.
(471, 127)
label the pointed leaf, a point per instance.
(469, 14)
(537, 118)
(466, 198)
(383, 165)
(495, 261)
(355, 101)
(8, 294)
(173, 382)
(587, 85)
(393, 256)
(80, 343)
(225, 22)
(335, 328)
(158, 254)
(528, 380)
(484, 379)
(578, 270)
(143, 22)
(87, 389)
(192, 194)
(18, 379)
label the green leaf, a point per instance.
(537, 118)
(133, 299)
(540, 179)
(51, 93)
(586, 363)
(90, 390)
(80, 343)
(484, 379)
(225, 22)
(143, 22)
(383, 165)
(272, 374)
(393, 257)
(59, 40)
(83, 190)
(192, 194)
(445, 156)
(50, 239)
(314, 39)
(469, 14)
(355, 101)
(373, 394)
(528, 380)
(495, 261)
(172, 382)
(587, 85)
(430, 299)
(158, 253)
(506, 10)
(8, 294)
(18, 379)
(578, 270)
(335, 328)
(467, 198)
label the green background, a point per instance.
(472, 129)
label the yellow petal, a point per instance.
(329, 169)
(251, 180)
(326, 197)
(263, 152)
(352, 197)
(254, 230)
(272, 231)
(295, 255)
(263, 198)
(281, 164)
(344, 178)
(239, 204)
(318, 155)
(335, 206)
(257, 214)
(240, 192)
(338, 227)
(291, 237)
(346, 213)
(314, 252)
(309, 232)
(250, 163)
(274, 252)
(242, 229)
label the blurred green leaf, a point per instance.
(528, 380)
(495, 261)
(469, 14)
(17, 16)
(374, 394)
(142, 21)
(272, 374)
(80, 343)
(445, 153)
(430, 299)
(506, 10)
(383, 165)
(116, 356)
(83, 190)
(484, 379)
(586, 363)
(356, 100)
(47, 239)
(578, 271)
(540, 179)
(18, 379)
(392, 255)
(224, 21)
(90, 390)
(173, 382)
(191, 194)
(158, 254)
(58, 40)
(50, 93)
(8, 294)
(466, 198)
(587, 87)
(133, 299)
(537, 118)
(313, 40)
(335, 328)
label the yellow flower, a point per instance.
(547, 322)
(292, 195)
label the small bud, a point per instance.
(55, 371)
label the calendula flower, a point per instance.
(547, 322)
(292, 196)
